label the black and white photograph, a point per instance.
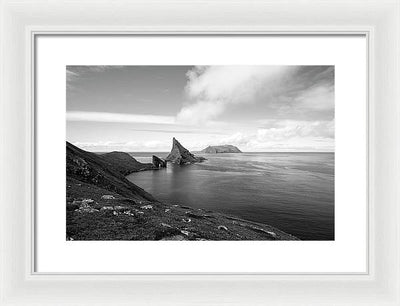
(200, 153)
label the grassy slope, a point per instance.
(129, 213)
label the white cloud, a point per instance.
(155, 144)
(290, 91)
(284, 135)
(231, 83)
(201, 112)
(284, 129)
(212, 89)
(129, 146)
(117, 117)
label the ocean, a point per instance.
(291, 191)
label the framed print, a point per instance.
(284, 175)
(218, 154)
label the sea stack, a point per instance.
(181, 156)
(158, 162)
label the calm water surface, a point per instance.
(291, 191)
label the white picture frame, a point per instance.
(21, 21)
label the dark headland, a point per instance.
(103, 205)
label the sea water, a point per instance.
(291, 191)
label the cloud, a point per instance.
(129, 146)
(284, 91)
(212, 89)
(154, 144)
(284, 129)
(182, 131)
(86, 116)
(230, 83)
(201, 112)
(117, 117)
(284, 135)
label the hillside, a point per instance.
(221, 149)
(90, 168)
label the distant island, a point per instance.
(221, 149)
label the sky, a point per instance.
(256, 108)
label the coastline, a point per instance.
(103, 205)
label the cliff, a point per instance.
(221, 149)
(180, 155)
